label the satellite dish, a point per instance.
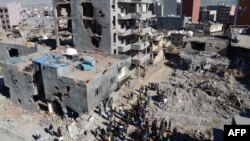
(71, 51)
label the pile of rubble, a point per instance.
(198, 101)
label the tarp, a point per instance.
(50, 60)
(85, 67)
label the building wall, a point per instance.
(22, 50)
(21, 85)
(4, 18)
(80, 96)
(14, 10)
(244, 13)
(92, 24)
(191, 8)
(63, 90)
(170, 7)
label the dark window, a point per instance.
(98, 91)
(13, 52)
(114, 21)
(114, 37)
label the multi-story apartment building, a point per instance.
(112, 26)
(4, 18)
(207, 15)
(225, 13)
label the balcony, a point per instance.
(147, 15)
(123, 16)
(143, 58)
(126, 32)
(124, 47)
(140, 45)
(145, 30)
(158, 37)
(135, 15)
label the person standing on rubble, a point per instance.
(59, 132)
(51, 129)
(169, 124)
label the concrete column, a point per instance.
(50, 107)
(139, 66)
(56, 24)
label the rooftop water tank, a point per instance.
(190, 34)
(71, 51)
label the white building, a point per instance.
(14, 10)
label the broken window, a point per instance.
(96, 41)
(101, 14)
(114, 21)
(66, 93)
(114, 37)
(98, 91)
(64, 10)
(113, 5)
(20, 102)
(198, 46)
(88, 9)
(13, 52)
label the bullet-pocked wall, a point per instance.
(21, 81)
(92, 24)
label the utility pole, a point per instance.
(236, 12)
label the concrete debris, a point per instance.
(204, 61)
(27, 117)
(74, 131)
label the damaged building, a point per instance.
(113, 26)
(239, 46)
(80, 81)
(11, 47)
(211, 44)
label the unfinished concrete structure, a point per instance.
(23, 81)
(209, 44)
(15, 47)
(66, 81)
(113, 26)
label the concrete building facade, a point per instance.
(4, 18)
(16, 47)
(225, 13)
(112, 26)
(172, 22)
(14, 10)
(191, 8)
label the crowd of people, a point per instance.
(119, 119)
